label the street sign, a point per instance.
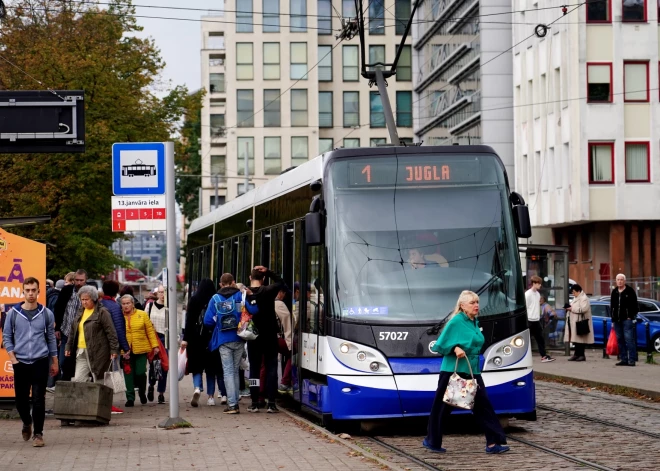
(138, 168)
(138, 213)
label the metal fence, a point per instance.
(648, 287)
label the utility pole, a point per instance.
(216, 182)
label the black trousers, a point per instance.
(263, 350)
(483, 413)
(536, 330)
(32, 377)
(579, 349)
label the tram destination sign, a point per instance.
(415, 172)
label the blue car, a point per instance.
(649, 311)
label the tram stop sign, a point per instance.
(138, 169)
(42, 121)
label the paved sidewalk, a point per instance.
(219, 442)
(598, 371)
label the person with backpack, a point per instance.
(223, 316)
(29, 338)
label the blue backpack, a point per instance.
(227, 313)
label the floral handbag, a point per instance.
(461, 392)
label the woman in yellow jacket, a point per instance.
(141, 337)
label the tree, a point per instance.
(72, 45)
(189, 161)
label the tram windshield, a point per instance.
(407, 234)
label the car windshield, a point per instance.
(402, 249)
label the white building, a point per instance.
(586, 122)
(462, 74)
(267, 49)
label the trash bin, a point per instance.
(86, 402)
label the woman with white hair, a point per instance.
(460, 343)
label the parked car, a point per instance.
(649, 311)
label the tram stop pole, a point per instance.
(173, 421)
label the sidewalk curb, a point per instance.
(344, 442)
(596, 384)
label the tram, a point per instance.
(138, 170)
(381, 242)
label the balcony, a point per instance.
(441, 12)
(449, 110)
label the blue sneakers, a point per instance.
(497, 449)
(428, 446)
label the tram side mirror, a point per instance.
(314, 223)
(521, 216)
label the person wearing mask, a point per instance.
(624, 309)
(533, 301)
(264, 348)
(28, 335)
(142, 339)
(284, 339)
(158, 315)
(66, 310)
(578, 311)
(461, 340)
(196, 338)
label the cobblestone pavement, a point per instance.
(250, 442)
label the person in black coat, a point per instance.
(196, 337)
(624, 309)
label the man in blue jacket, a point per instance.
(223, 315)
(29, 337)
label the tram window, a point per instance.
(288, 273)
(200, 257)
(246, 259)
(315, 271)
(264, 258)
(234, 258)
(258, 241)
(226, 253)
(275, 263)
(219, 261)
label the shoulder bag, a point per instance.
(114, 377)
(461, 392)
(582, 325)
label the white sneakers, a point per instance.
(223, 400)
(195, 399)
(210, 402)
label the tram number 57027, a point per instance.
(393, 335)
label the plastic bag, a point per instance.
(612, 344)
(246, 328)
(183, 360)
(114, 377)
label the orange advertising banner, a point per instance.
(20, 258)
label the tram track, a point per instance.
(405, 454)
(618, 400)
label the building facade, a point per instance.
(290, 90)
(145, 245)
(586, 120)
(463, 74)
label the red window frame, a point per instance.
(626, 100)
(611, 98)
(609, 14)
(601, 144)
(648, 160)
(646, 14)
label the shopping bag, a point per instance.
(246, 328)
(114, 377)
(183, 360)
(461, 392)
(612, 344)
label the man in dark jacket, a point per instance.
(66, 309)
(110, 290)
(624, 308)
(264, 348)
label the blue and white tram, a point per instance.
(390, 239)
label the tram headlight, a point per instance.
(344, 348)
(356, 356)
(374, 366)
(361, 356)
(518, 342)
(497, 361)
(507, 350)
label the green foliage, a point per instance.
(188, 160)
(71, 45)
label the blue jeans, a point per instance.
(212, 377)
(231, 354)
(198, 382)
(625, 337)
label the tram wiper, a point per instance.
(436, 328)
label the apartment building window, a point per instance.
(402, 13)
(245, 108)
(376, 54)
(271, 10)
(377, 141)
(325, 64)
(272, 155)
(298, 61)
(244, 17)
(325, 109)
(633, 10)
(217, 83)
(217, 125)
(637, 162)
(599, 12)
(218, 165)
(215, 40)
(635, 81)
(404, 109)
(299, 150)
(244, 61)
(351, 109)
(216, 60)
(245, 148)
(325, 16)
(601, 162)
(599, 83)
(298, 9)
(240, 188)
(299, 108)
(325, 145)
(271, 61)
(351, 143)
(350, 64)
(404, 67)
(376, 114)
(348, 9)
(377, 17)
(272, 108)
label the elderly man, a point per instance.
(624, 308)
(66, 309)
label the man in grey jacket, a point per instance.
(29, 337)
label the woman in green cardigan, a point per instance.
(462, 338)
